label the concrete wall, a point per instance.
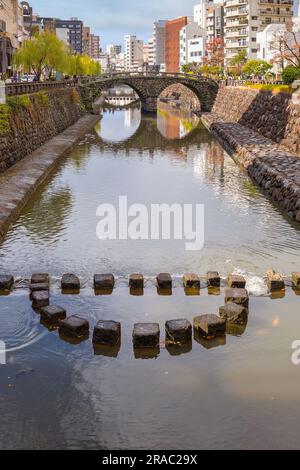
(34, 119)
(271, 114)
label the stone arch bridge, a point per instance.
(149, 87)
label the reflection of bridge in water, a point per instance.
(148, 137)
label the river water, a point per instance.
(241, 391)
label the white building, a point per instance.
(274, 43)
(104, 61)
(133, 53)
(113, 50)
(192, 44)
(245, 18)
(266, 43)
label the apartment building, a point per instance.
(215, 22)
(192, 44)
(159, 44)
(95, 46)
(173, 28)
(70, 31)
(133, 53)
(245, 18)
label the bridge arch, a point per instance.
(149, 87)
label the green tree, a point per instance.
(256, 68)
(188, 68)
(42, 53)
(83, 65)
(239, 60)
(290, 74)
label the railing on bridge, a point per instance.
(13, 89)
(125, 75)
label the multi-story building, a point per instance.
(95, 46)
(12, 32)
(245, 18)
(215, 22)
(27, 16)
(133, 53)
(113, 50)
(200, 12)
(69, 31)
(192, 44)
(277, 42)
(159, 43)
(86, 40)
(173, 28)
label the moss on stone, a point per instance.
(42, 99)
(5, 112)
(21, 101)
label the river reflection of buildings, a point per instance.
(172, 124)
(132, 116)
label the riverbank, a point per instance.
(19, 182)
(29, 121)
(273, 168)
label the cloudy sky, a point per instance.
(114, 18)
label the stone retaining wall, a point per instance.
(274, 115)
(19, 183)
(34, 119)
(181, 96)
(271, 166)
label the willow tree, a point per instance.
(41, 54)
(83, 65)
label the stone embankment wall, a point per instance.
(261, 131)
(28, 121)
(274, 115)
(182, 97)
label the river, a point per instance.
(241, 391)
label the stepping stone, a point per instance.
(104, 282)
(213, 279)
(136, 281)
(38, 287)
(275, 281)
(40, 299)
(6, 282)
(146, 335)
(107, 333)
(52, 314)
(39, 278)
(191, 281)
(178, 331)
(237, 296)
(70, 282)
(164, 281)
(296, 280)
(234, 313)
(236, 281)
(209, 326)
(74, 326)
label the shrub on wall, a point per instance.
(5, 112)
(21, 101)
(42, 99)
